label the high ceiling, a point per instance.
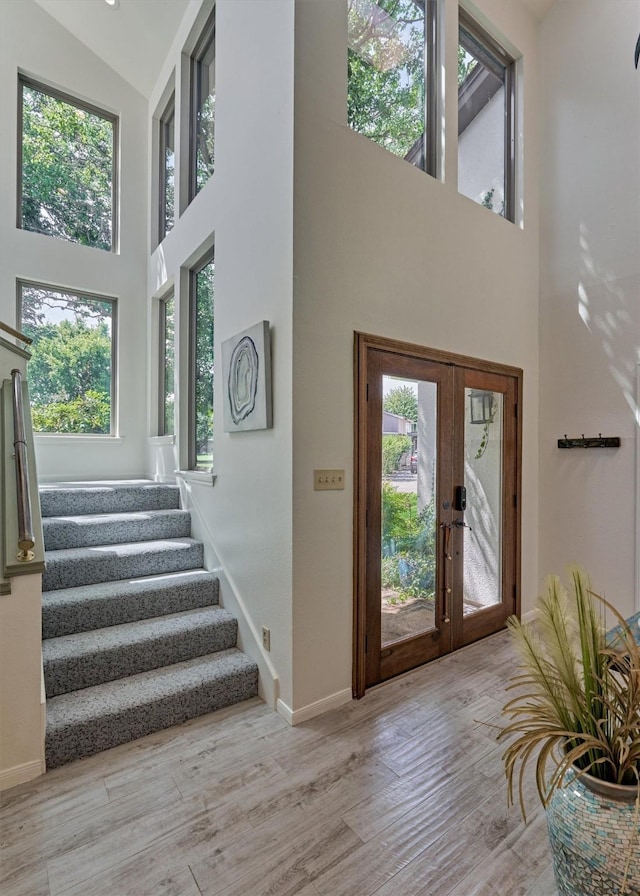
(133, 39)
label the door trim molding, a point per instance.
(363, 343)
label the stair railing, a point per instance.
(26, 540)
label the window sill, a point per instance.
(162, 440)
(197, 477)
(79, 439)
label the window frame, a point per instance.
(71, 100)
(430, 161)
(490, 47)
(206, 40)
(113, 396)
(162, 364)
(192, 454)
(168, 115)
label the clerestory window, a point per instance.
(67, 170)
(203, 107)
(201, 357)
(486, 120)
(167, 168)
(166, 410)
(393, 76)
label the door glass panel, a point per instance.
(408, 561)
(483, 481)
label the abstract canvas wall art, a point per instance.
(246, 377)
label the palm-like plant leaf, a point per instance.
(576, 699)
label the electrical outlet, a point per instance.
(328, 479)
(266, 637)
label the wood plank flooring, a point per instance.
(399, 794)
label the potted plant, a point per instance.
(575, 714)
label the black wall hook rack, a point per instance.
(598, 441)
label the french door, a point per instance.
(437, 552)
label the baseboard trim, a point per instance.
(20, 774)
(296, 716)
(529, 616)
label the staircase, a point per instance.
(133, 637)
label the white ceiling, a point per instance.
(133, 39)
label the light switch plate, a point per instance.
(328, 479)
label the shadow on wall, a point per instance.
(608, 307)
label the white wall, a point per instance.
(382, 248)
(32, 41)
(247, 208)
(590, 290)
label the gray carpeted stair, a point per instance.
(133, 637)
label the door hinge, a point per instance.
(366, 643)
(515, 593)
(367, 391)
(515, 411)
(515, 500)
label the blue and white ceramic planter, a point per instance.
(594, 839)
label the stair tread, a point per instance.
(86, 607)
(124, 549)
(108, 699)
(129, 634)
(86, 530)
(130, 586)
(70, 567)
(113, 496)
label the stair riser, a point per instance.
(76, 741)
(74, 673)
(130, 605)
(100, 567)
(61, 533)
(107, 499)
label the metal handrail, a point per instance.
(26, 539)
(15, 333)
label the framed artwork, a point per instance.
(246, 377)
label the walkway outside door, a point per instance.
(437, 504)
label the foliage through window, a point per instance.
(201, 385)
(167, 168)
(67, 168)
(392, 76)
(203, 107)
(167, 366)
(71, 371)
(485, 120)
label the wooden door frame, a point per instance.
(363, 343)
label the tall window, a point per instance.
(167, 366)
(486, 142)
(201, 352)
(67, 168)
(71, 371)
(392, 76)
(167, 168)
(203, 106)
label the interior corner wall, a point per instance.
(246, 211)
(36, 44)
(590, 291)
(382, 248)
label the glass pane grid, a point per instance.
(387, 75)
(67, 170)
(408, 537)
(482, 123)
(203, 358)
(71, 368)
(483, 464)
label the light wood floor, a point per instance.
(399, 794)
